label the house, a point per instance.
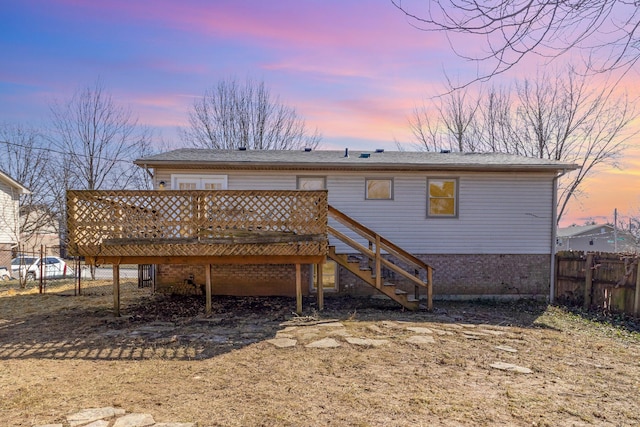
(40, 231)
(460, 225)
(10, 191)
(595, 238)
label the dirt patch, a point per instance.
(385, 366)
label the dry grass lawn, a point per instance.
(61, 353)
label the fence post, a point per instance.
(636, 301)
(588, 281)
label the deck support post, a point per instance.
(298, 289)
(116, 290)
(320, 286)
(207, 291)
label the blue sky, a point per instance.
(353, 69)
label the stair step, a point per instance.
(412, 299)
(401, 292)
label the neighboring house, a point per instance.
(595, 238)
(43, 233)
(10, 191)
(484, 222)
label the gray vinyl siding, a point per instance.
(498, 213)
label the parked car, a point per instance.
(29, 267)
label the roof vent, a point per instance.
(445, 151)
(379, 150)
(346, 152)
(307, 149)
(365, 155)
(242, 148)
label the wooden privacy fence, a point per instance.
(196, 223)
(604, 280)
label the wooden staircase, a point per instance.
(371, 273)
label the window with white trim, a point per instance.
(198, 182)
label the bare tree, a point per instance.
(98, 140)
(232, 115)
(605, 31)
(557, 117)
(24, 157)
(451, 130)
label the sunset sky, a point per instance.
(354, 69)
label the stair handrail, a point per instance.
(370, 235)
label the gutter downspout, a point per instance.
(554, 228)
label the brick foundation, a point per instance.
(466, 276)
(509, 275)
(237, 280)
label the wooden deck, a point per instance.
(232, 227)
(113, 227)
(198, 227)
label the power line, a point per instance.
(69, 153)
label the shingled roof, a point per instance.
(358, 160)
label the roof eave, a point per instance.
(352, 166)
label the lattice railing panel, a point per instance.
(145, 218)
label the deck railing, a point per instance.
(99, 218)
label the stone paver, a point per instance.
(366, 342)
(511, 367)
(94, 414)
(421, 340)
(330, 325)
(420, 330)
(283, 342)
(324, 343)
(114, 417)
(135, 420)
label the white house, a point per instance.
(10, 191)
(484, 221)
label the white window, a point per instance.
(379, 189)
(312, 183)
(198, 182)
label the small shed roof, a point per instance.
(578, 230)
(356, 160)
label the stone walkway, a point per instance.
(308, 333)
(112, 417)
(331, 334)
